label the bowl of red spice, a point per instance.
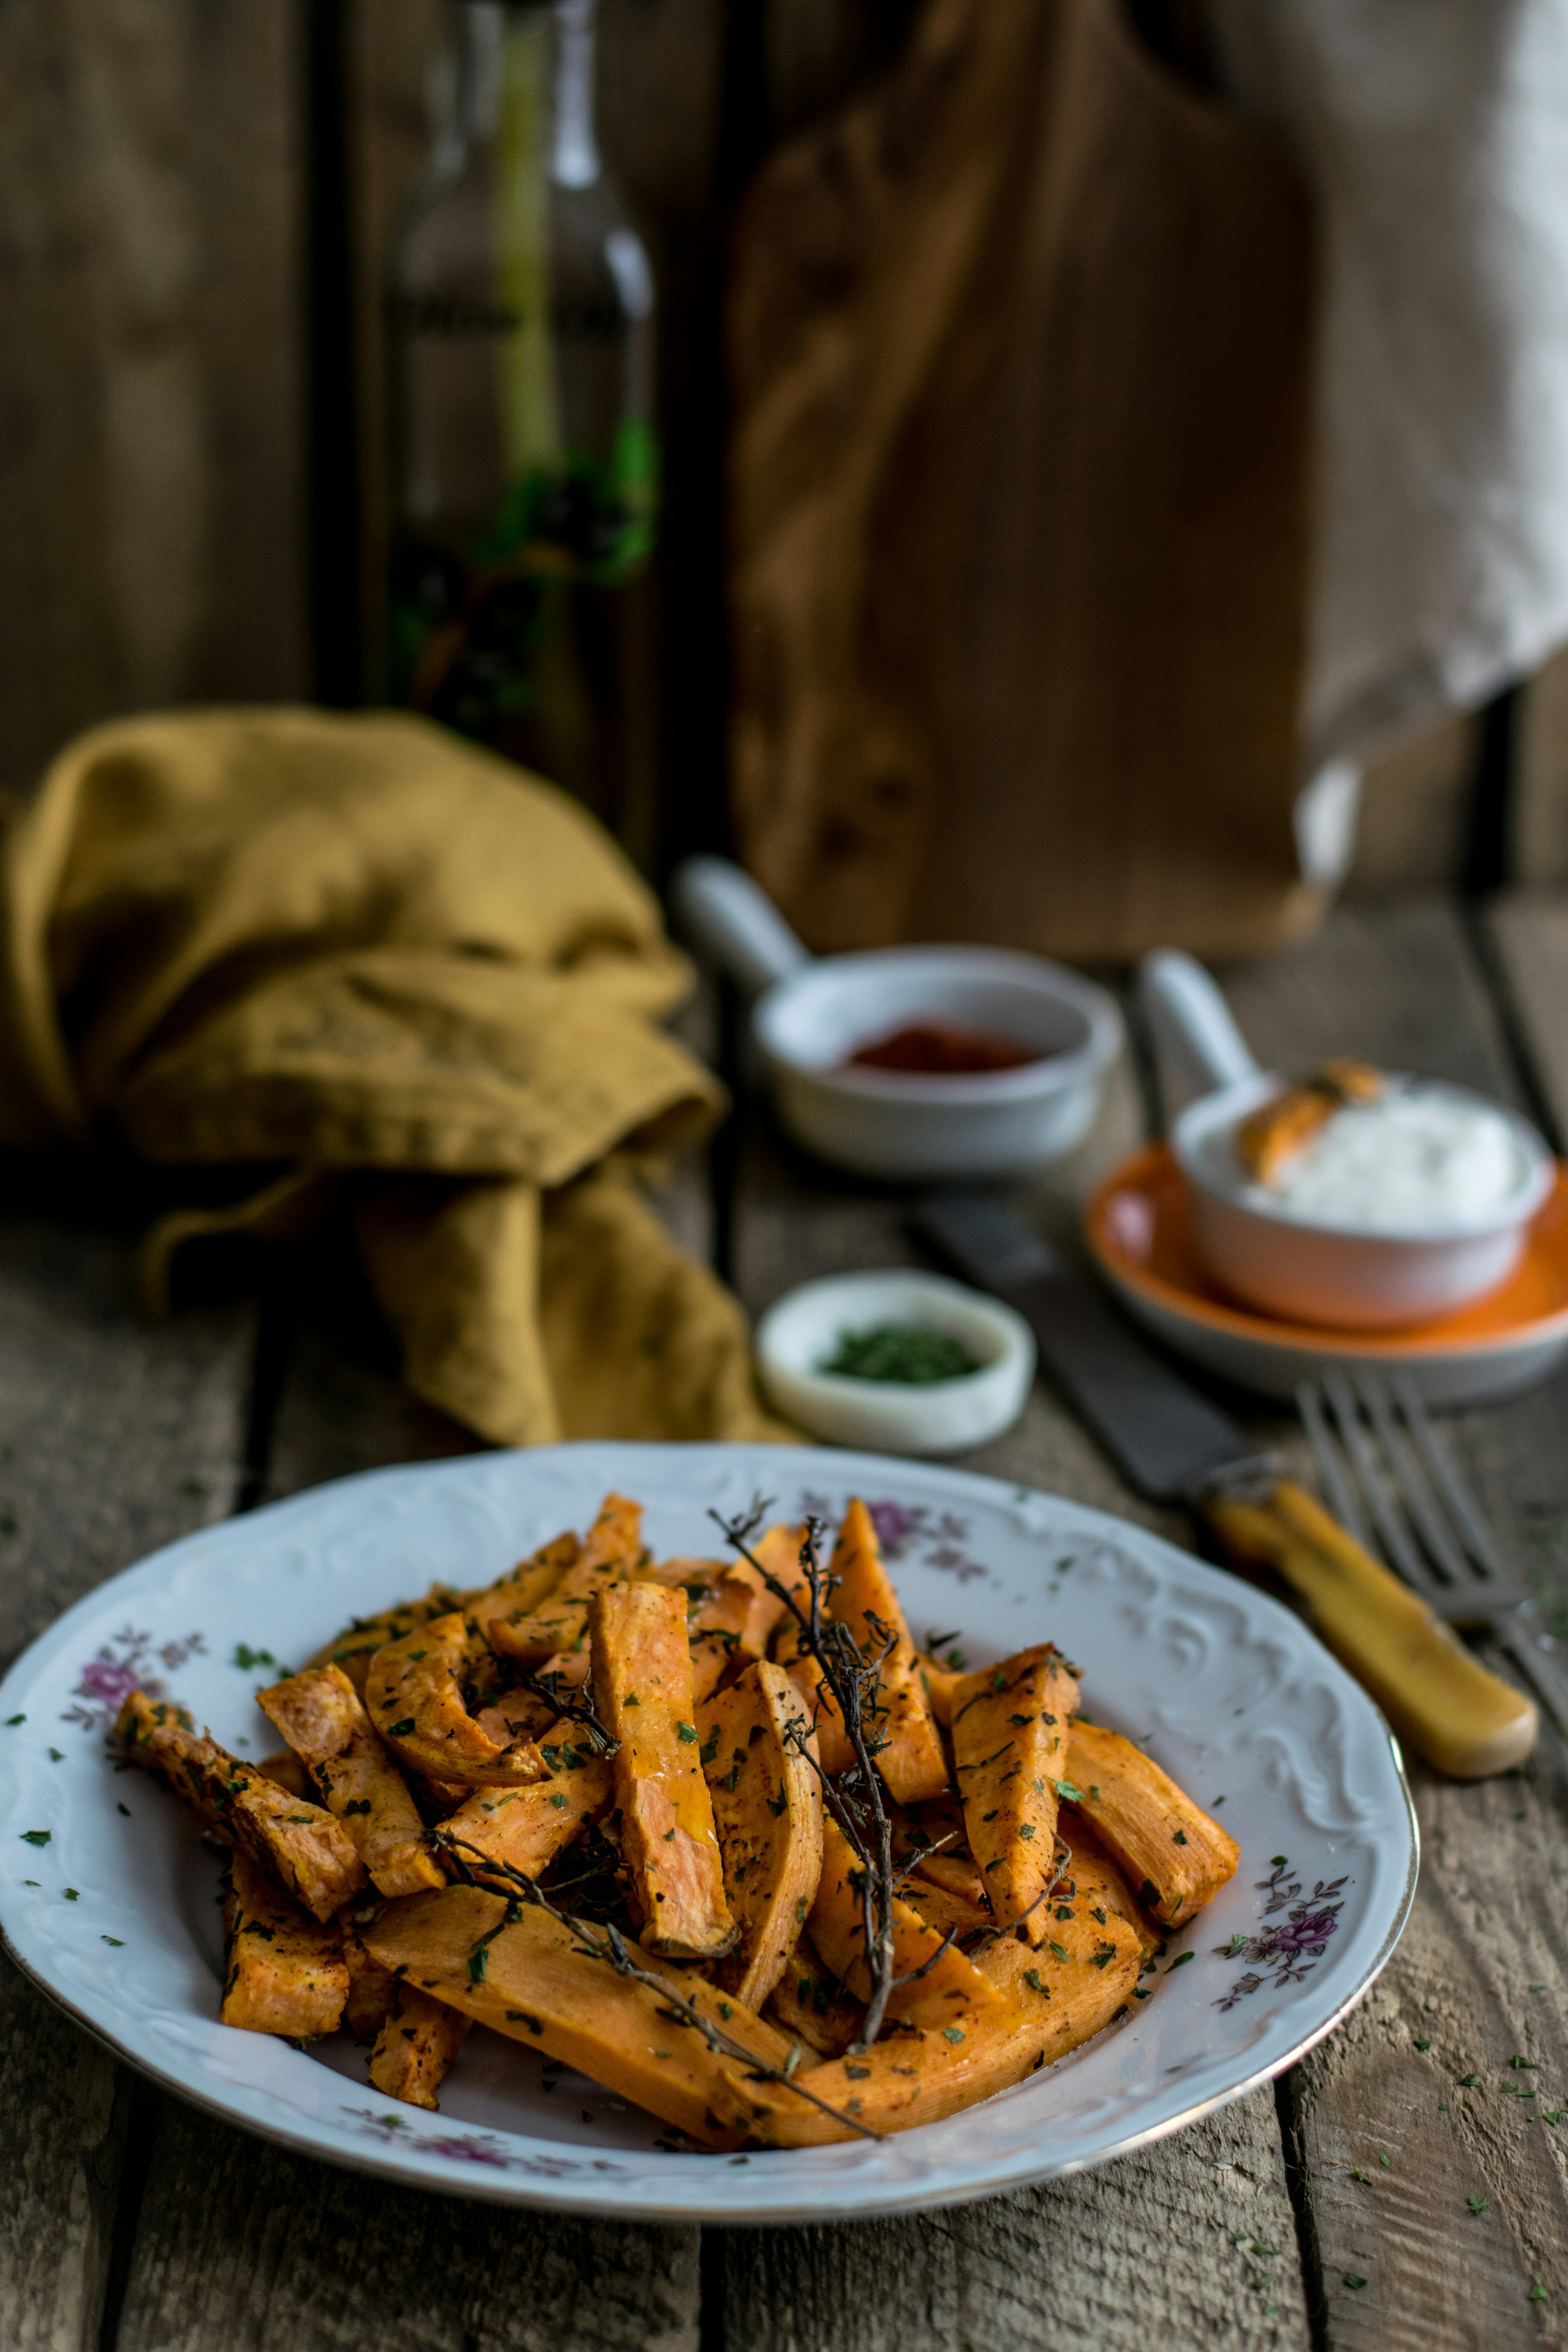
(917, 1065)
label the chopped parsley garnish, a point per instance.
(905, 1352)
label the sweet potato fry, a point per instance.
(286, 1768)
(1091, 1867)
(908, 2079)
(957, 1876)
(413, 1696)
(418, 2043)
(948, 1990)
(307, 1852)
(1009, 1726)
(1171, 1853)
(354, 1647)
(371, 1988)
(1076, 1980)
(526, 1828)
(285, 1973)
(832, 1742)
(558, 1627)
(1043, 2005)
(516, 1715)
(910, 1760)
(734, 1614)
(319, 1715)
(642, 1688)
(941, 1682)
(526, 1587)
(811, 2004)
(768, 1814)
(946, 1912)
(533, 1981)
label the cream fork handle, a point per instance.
(1464, 1719)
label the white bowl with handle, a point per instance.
(1369, 1279)
(813, 1013)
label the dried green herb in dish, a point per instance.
(908, 1352)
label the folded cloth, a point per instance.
(1434, 134)
(363, 948)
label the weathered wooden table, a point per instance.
(1375, 2197)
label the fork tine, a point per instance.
(1409, 1480)
(1517, 1624)
(1330, 1468)
(1392, 1531)
(1445, 1480)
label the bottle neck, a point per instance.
(574, 155)
(469, 103)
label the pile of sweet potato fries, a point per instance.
(714, 1832)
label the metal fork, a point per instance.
(1389, 1481)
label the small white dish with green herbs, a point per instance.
(897, 1362)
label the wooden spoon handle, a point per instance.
(1444, 1702)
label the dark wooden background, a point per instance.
(195, 202)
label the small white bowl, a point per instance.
(1353, 1279)
(908, 1126)
(893, 1416)
(1360, 1279)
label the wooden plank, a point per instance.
(342, 1406)
(150, 460)
(244, 2246)
(1530, 928)
(1541, 815)
(118, 1436)
(1414, 803)
(1479, 1977)
(1190, 2242)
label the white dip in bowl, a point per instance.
(1394, 1212)
(1414, 1160)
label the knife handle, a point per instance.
(1439, 1699)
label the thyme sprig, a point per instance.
(853, 1680)
(605, 1942)
(573, 1702)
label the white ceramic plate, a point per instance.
(108, 1897)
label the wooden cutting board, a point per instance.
(1021, 353)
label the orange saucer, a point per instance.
(1136, 1224)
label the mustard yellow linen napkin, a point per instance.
(362, 948)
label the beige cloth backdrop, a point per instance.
(408, 976)
(1020, 476)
